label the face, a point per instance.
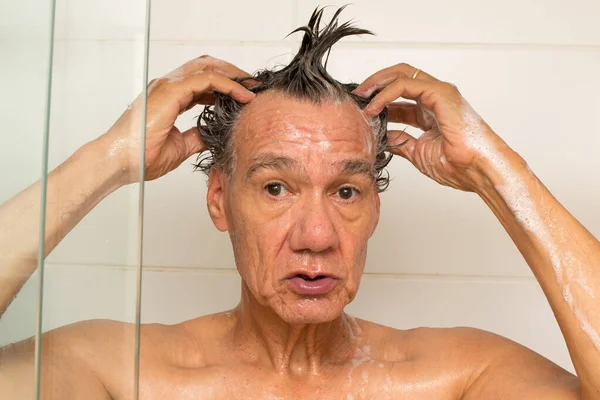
(300, 204)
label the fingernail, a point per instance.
(361, 93)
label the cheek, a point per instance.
(356, 270)
(354, 246)
(258, 240)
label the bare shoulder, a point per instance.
(189, 344)
(101, 353)
(495, 365)
(484, 364)
(83, 349)
(510, 370)
(462, 352)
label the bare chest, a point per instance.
(370, 380)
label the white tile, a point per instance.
(165, 57)
(470, 21)
(178, 231)
(61, 19)
(94, 82)
(79, 292)
(24, 75)
(229, 20)
(172, 297)
(26, 19)
(516, 309)
(113, 19)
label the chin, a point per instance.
(310, 311)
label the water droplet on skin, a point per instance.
(516, 193)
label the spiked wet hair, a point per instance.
(305, 78)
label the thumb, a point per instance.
(193, 142)
(402, 144)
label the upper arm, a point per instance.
(513, 371)
(68, 368)
(17, 371)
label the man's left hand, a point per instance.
(455, 142)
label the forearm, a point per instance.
(73, 189)
(563, 255)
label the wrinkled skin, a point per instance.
(318, 221)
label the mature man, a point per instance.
(295, 167)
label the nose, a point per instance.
(314, 229)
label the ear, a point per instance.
(215, 198)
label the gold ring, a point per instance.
(414, 75)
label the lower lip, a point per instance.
(317, 287)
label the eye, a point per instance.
(347, 193)
(275, 189)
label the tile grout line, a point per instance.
(233, 271)
(353, 44)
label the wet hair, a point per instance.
(305, 78)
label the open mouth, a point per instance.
(308, 278)
(315, 285)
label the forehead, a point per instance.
(275, 122)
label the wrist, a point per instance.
(497, 164)
(104, 163)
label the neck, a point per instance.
(296, 349)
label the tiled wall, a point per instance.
(439, 257)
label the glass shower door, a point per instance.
(26, 53)
(69, 70)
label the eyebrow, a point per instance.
(357, 166)
(281, 163)
(270, 161)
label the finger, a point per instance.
(402, 144)
(205, 99)
(195, 86)
(208, 63)
(250, 83)
(410, 114)
(412, 89)
(222, 84)
(386, 76)
(403, 112)
(193, 142)
(209, 98)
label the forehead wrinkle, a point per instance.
(273, 113)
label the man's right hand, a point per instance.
(166, 147)
(102, 166)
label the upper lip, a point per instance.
(310, 274)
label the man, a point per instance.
(295, 168)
